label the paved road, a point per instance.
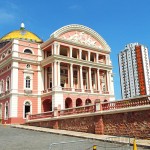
(21, 139)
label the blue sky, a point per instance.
(119, 22)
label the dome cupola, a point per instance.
(21, 34)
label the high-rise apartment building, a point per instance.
(134, 70)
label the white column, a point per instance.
(13, 107)
(97, 57)
(52, 49)
(52, 65)
(54, 74)
(80, 54)
(40, 80)
(58, 49)
(58, 72)
(45, 78)
(15, 48)
(90, 79)
(98, 80)
(108, 80)
(81, 78)
(87, 79)
(55, 48)
(14, 77)
(89, 55)
(39, 105)
(95, 79)
(71, 51)
(71, 75)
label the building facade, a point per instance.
(71, 69)
(134, 70)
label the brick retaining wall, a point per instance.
(135, 124)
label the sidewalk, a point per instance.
(139, 142)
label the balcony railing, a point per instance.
(48, 114)
(75, 90)
(103, 107)
(87, 91)
(77, 110)
(96, 91)
(78, 90)
(105, 92)
(126, 103)
(67, 89)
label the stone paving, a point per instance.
(19, 137)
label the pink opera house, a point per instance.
(71, 69)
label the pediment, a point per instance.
(82, 35)
(81, 38)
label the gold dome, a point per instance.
(21, 34)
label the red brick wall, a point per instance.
(84, 124)
(134, 124)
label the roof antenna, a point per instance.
(22, 27)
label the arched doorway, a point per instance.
(88, 101)
(78, 102)
(47, 105)
(68, 103)
(27, 108)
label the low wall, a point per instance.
(133, 122)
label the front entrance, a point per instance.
(27, 109)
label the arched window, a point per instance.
(47, 105)
(2, 86)
(28, 82)
(3, 56)
(68, 102)
(7, 84)
(105, 100)
(88, 102)
(27, 108)
(9, 51)
(78, 102)
(27, 51)
(6, 110)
